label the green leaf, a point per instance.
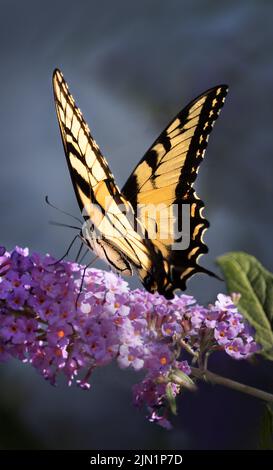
(245, 274)
(266, 432)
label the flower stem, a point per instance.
(219, 380)
(187, 348)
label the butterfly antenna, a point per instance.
(82, 279)
(62, 211)
(66, 253)
(58, 224)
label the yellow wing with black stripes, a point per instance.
(155, 194)
(162, 182)
(108, 229)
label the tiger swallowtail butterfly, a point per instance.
(117, 226)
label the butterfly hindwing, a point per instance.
(164, 177)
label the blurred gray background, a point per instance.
(131, 67)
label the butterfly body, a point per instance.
(107, 252)
(135, 229)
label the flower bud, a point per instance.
(182, 379)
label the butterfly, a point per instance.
(117, 227)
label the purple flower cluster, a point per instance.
(45, 322)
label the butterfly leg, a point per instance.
(79, 253)
(82, 279)
(66, 253)
(84, 255)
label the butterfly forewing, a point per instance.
(109, 231)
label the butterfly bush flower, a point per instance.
(46, 322)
